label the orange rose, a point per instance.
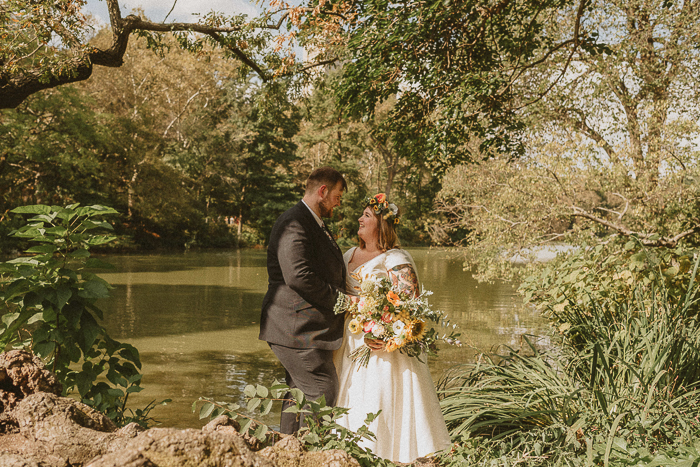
(381, 197)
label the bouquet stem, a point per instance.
(361, 355)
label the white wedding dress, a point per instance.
(411, 423)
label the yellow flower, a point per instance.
(354, 326)
(415, 330)
(367, 304)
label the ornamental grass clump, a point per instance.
(621, 386)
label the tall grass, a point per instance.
(623, 384)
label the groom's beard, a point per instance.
(326, 208)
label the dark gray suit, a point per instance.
(305, 275)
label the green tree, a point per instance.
(155, 104)
(54, 150)
(451, 66)
(366, 153)
(31, 60)
(610, 151)
(240, 154)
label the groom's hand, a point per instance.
(374, 344)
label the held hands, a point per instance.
(374, 344)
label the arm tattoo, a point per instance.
(405, 279)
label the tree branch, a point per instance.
(15, 89)
(576, 42)
(644, 238)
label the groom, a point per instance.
(306, 275)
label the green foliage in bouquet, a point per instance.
(322, 432)
(47, 302)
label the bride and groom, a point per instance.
(308, 276)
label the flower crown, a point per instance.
(382, 207)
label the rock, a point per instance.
(58, 429)
(285, 453)
(289, 452)
(131, 430)
(170, 447)
(12, 460)
(22, 374)
(331, 458)
(39, 428)
(221, 421)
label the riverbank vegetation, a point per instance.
(49, 298)
(504, 128)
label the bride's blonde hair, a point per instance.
(387, 239)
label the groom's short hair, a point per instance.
(324, 176)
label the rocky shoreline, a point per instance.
(39, 428)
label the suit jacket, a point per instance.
(306, 273)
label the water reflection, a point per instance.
(194, 318)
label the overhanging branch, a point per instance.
(14, 89)
(646, 239)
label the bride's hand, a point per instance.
(374, 344)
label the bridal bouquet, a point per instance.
(396, 317)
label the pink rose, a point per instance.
(368, 326)
(386, 317)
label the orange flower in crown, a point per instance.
(382, 207)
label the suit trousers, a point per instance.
(310, 370)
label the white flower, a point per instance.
(398, 327)
(378, 330)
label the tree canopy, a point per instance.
(611, 150)
(46, 43)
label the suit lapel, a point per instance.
(320, 232)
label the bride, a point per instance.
(410, 424)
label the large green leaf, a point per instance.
(34, 209)
(48, 248)
(63, 294)
(95, 288)
(89, 331)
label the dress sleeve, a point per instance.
(397, 257)
(402, 271)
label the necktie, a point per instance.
(328, 234)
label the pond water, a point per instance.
(194, 318)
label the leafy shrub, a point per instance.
(47, 301)
(321, 433)
(622, 385)
(607, 275)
